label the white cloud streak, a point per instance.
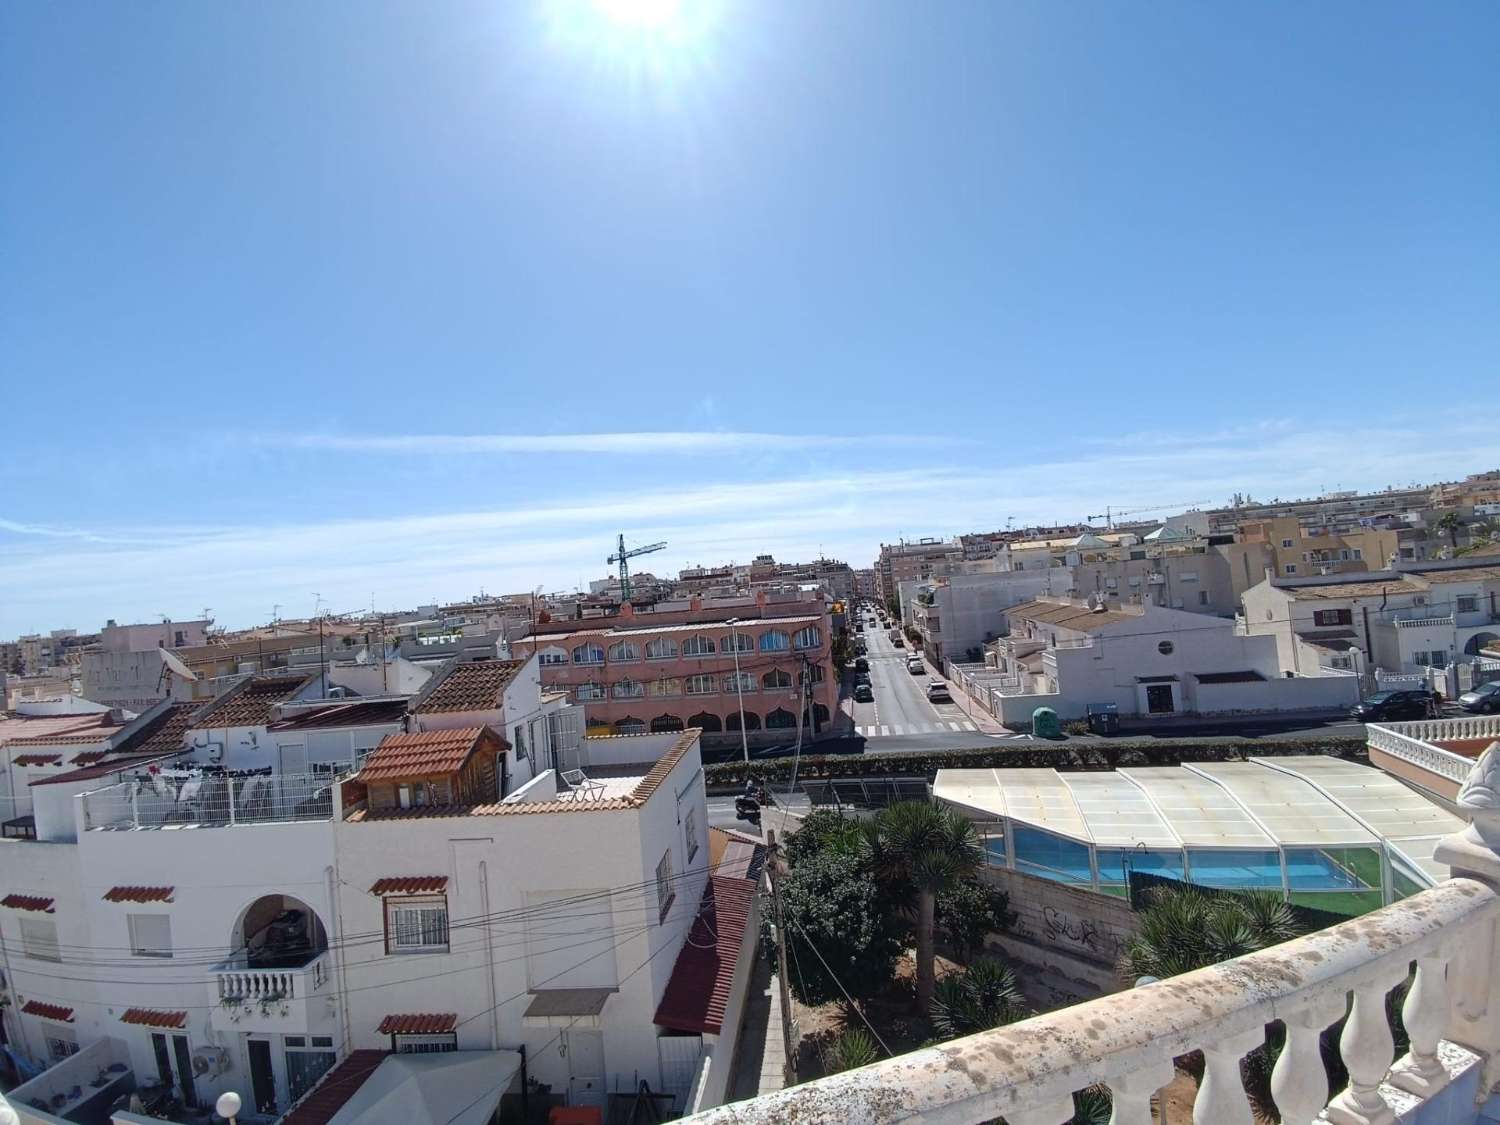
(649, 443)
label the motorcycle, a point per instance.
(747, 806)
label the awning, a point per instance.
(35, 903)
(139, 894)
(419, 1023)
(568, 1007)
(48, 1011)
(152, 1017)
(447, 1088)
(1156, 679)
(410, 885)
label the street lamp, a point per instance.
(739, 687)
(228, 1106)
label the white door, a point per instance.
(586, 1068)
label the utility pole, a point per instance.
(773, 862)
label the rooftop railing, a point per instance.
(208, 802)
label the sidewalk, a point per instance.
(981, 718)
(759, 1058)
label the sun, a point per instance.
(640, 13)
(667, 41)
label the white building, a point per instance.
(958, 614)
(1146, 661)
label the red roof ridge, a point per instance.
(418, 1023)
(37, 904)
(139, 894)
(697, 993)
(153, 1017)
(409, 885)
(340, 1084)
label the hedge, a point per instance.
(1114, 754)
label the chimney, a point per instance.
(695, 603)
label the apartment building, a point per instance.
(634, 675)
(1301, 551)
(956, 615)
(1419, 616)
(908, 562)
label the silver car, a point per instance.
(1483, 699)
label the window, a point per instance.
(60, 1041)
(735, 683)
(39, 939)
(1286, 543)
(552, 656)
(150, 934)
(698, 646)
(1188, 576)
(628, 689)
(416, 924)
(307, 1061)
(518, 742)
(809, 637)
(662, 648)
(1439, 658)
(1325, 617)
(1289, 568)
(1135, 581)
(815, 673)
(1166, 648)
(426, 1044)
(1111, 583)
(774, 641)
(588, 654)
(737, 642)
(589, 692)
(413, 796)
(1358, 555)
(1202, 597)
(690, 832)
(776, 679)
(624, 652)
(1467, 603)
(702, 685)
(665, 687)
(664, 895)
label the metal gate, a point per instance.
(679, 1064)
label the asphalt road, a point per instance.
(901, 717)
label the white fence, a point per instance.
(220, 801)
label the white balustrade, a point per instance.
(1398, 742)
(1127, 1041)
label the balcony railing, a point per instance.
(1027, 1072)
(1392, 740)
(291, 1000)
(209, 802)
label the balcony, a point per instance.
(1440, 939)
(292, 1001)
(179, 800)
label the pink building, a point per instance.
(632, 676)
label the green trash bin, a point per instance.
(1044, 723)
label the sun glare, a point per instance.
(640, 13)
(667, 40)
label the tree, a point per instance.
(1450, 523)
(1185, 928)
(982, 997)
(970, 910)
(832, 907)
(823, 830)
(929, 850)
(854, 1047)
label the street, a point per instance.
(901, 710)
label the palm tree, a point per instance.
(1185, 928)
(983, 996)
(1450, 523)
(924, 850)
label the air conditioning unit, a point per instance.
(210, 1061)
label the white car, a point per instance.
(937, 692)
(915, 666)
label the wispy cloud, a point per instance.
(635, 444)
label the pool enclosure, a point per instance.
(1323, 832)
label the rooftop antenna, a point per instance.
(317, 603)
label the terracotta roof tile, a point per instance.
(368, 713)
(1462, 574)
(35, 903)
(153, 1017)
(100, 734)
(422, 753)
(410, 885)
(250, 704)
(89, 758)
(167, 732)
(638, 796)
(38, 759)
(44, 730)
(104, 768)
(477, 685)
(418, 1024)
(1378, 588)
(337, 1087)
(48, 1011)
(138, 894)
(697, 992)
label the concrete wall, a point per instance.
(1075, 937)
(1303, 693)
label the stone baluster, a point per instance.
(1054, 1113)
(1367, 1049)
(1221, 1096)
(1132, 1094)
(1425, 1015)
(1299, 1084)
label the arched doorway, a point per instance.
(666, 724)
(732, 722)
(1481, 641)
(630, 725)
(278, 932)
(709, 724)
(780, 719)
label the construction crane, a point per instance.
(622, 556)
(1109, 515)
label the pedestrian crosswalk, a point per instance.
(892, 730)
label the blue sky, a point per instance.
(400, 300)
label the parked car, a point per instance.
(1483, 699)
(915, 666)
(863, 693)
(937, 692)
(1395, 706)
(898, 642)
(861, 665)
